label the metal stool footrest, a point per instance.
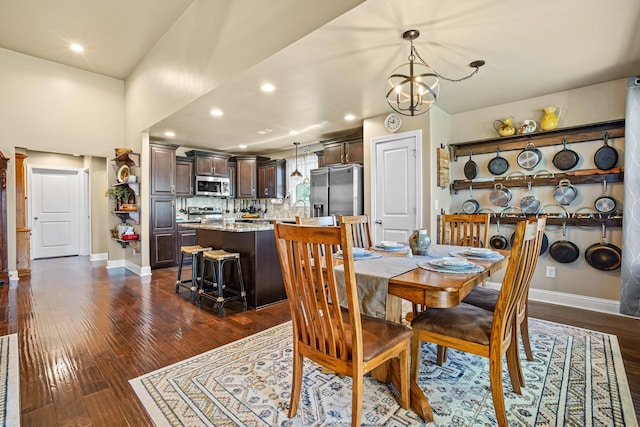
(193, 283)
(219, 291)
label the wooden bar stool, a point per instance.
(196, 267)
(220, 291)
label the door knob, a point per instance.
(379, 221)
(35, 217)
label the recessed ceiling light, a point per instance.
(76, 47)
(267, 87)
(293, 132)
(170, 134)
(217, 113)
(349, 117)
(242, 146)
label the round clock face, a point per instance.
(393, 122)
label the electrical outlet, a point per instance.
(551, 271)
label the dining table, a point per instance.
(385, 277)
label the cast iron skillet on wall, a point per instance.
(564, 251)
(498, 165)
(565, 159)
(606, 157)
(603, 256)
(471, 168)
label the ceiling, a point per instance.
(531, 47)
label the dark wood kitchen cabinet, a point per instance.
(246, 177)
(271, 179)
(185, 237)
(184, 177)
(163, 232)
(209, 164)
(233, 180)
(345, 151)
(163, 170)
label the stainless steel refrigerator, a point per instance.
(337, 190)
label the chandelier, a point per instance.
(413, 87)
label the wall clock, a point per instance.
(392, 122)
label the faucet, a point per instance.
(304, 206)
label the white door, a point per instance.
(55, 212)
(396, 186)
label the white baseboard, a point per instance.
(99, 257)
(13, 276)
(571, 300)
(115, 263)
(134, 268)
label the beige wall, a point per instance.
(591, 104)
(48, 107)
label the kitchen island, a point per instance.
(255, 242)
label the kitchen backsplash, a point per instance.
(273, 210)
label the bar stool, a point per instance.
(196, 267)
(221, 292)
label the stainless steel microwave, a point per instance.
(212, 186)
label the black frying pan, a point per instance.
(471, 168)
(565, 159)
(606, 157)
(603, 256)
(498, 165)
(564, 251)
(498, 241)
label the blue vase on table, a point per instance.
(419, 242)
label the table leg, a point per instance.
(419, 402)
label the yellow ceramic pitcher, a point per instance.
(505, 127)
(551, 118)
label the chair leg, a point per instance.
(404, 377)
(495, 378)
(524, 333)
(415, 355)
(179, 276)
(296, 382)
(356, 398)
(513, 363)
(442, 355)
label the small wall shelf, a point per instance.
(585, 222)
(125, 215)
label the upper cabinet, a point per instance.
(184, 177)
(271, 179)
(233, 181)
(344, 149)
(163, 172)
(246, 176)
(209, 163)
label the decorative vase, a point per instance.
(551, 118)
(419, 242)
(505, 127)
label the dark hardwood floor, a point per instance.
(85, 331)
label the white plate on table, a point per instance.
(391, 246)
(358, 253)
(451, 263)
(486, 254)
(438, 266)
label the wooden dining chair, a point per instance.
(317, 220)
(487, 333)
(361, 230)
(487, 299)
(340, 339)
(465, 230)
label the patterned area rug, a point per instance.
(576, 379)
(9, 381)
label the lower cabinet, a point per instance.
(163, 232)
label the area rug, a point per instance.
(9, 381)
(576, 379)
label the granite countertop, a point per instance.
(234, 227)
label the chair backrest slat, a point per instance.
(361, 233)
(465, 229)
(317, 220)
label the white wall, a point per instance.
(51, 107)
